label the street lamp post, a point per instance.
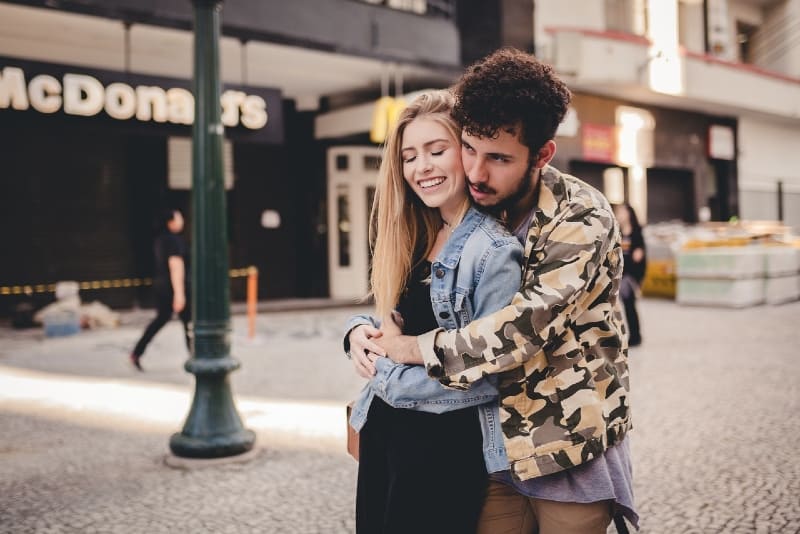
(213, 428)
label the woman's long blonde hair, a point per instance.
(403, 229)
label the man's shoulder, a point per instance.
(571, 193)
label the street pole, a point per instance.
(213, 428)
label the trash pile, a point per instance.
(68, 315)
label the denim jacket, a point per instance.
(476, 273)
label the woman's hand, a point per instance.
(638, 254)
(364, 351)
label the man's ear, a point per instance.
(545, 154)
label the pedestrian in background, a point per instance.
(635, 257)
(170, 282)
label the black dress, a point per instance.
(632, 276)
(419, 472)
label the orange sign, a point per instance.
(598, 142)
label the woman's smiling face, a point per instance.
(432, 163)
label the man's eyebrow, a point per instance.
(490, 154)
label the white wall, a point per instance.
(584, 14)
(691, 27)
(768, 153)
(55, 37)
(59, 37)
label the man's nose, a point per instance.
(478, 171)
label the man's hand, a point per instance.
(363, 349)
(401, 349)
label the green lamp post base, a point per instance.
(212, 446)
(213, 428)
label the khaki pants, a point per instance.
(507, 512)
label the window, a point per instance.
(744, 40)
(179, 154)
(343, 224)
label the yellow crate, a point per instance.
(659, 279)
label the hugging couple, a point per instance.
(498, 394)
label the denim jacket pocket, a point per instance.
(462, 306)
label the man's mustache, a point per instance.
(481, 188)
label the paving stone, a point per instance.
(715, 397)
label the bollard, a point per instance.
(252, 297)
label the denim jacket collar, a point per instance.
(452, 249)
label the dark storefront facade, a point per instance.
(88, 166)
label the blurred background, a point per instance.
(687, 109)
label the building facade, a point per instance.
(706, 99)
(95, 115)
(688, 109)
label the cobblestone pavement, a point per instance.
(83, 446)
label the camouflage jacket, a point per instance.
(559, 348)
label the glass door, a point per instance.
(352, 174)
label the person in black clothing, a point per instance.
(170, 282)
(635, 257)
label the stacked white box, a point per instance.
(721, 292)
(738, 276)
(782, 268)
(721, 276)
(782, 289)
(782, 261)
(721, 262)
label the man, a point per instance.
(170, 282)
(558, 349)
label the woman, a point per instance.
(634, 255)
(437, 262)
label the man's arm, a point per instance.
(404, 386)
(501, 268)
(558, 286)
(410, 386)
(177, 276)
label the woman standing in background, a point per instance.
(635, 257)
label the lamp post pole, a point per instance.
(213, 428)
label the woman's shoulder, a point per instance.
(484, 223)
(489, 235)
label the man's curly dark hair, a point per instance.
(511, 90)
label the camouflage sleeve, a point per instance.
(553, 292)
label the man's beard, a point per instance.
(524, 187)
